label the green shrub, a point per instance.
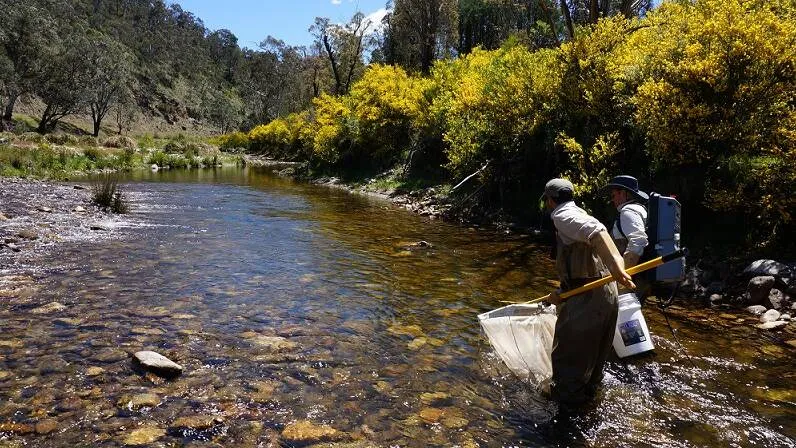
(108, 196)
(119, 141)
(87, 140)
(159, 158)
(62, 139)
(33, 137)
(93, 154)
(146, 141)
(233, 141)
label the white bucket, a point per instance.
(632, 335)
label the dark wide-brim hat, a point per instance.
(628, 183)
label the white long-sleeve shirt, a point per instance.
(633, 218)
(574, 224)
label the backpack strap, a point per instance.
(618, 221)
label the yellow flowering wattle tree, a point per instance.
(713, 87)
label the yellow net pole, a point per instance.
(647, 265)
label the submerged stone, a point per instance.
(197, 422)
(144, 435)
(139, 401)
(52, 307)
(306, 433)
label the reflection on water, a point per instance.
(287, 302)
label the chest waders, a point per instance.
(585, 327)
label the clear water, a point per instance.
(380, 341)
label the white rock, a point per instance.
(785, 317)
(79, 209)
(770, 316)
(756, 309)
(777, 324)
(157, 364)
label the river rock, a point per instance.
(16, 428)
(95, 371)
(110, 355)
(274, 343)
(767, 268)
(79, 209)
(434, 398)
(770, 316)
(157, 364)
(52, 307)
(46, 426)
(756, 309)
(304, 432)
(759, 288)
(776, 325)
(28, 235)
(776, 299)
(44, 209)
(139, 401)
(785, 317)
(3, 217)
(144, 435)
(716, 299)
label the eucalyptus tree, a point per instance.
(108, 66)
(344, 46)
(64, 83)
(421, 31)
(26, 37)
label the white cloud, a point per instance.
(337, 2)
(375, 20)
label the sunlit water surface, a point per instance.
(380, 340)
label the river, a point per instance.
(289, 302)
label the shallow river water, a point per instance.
(287, 303)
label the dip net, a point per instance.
(522, 335)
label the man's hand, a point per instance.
(630, 259)
(555, 298)
(624, 279)
(604, 247)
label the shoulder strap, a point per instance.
(619, 220)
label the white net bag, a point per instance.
(522, 335)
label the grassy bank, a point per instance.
(59, 156)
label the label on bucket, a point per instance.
(631, 332)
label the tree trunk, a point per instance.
(549, 13)
(8, 111)
(627, 8)
(337, 83)
(594, 11)
(567, 18)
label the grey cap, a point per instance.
(554, 187)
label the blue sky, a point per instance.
(253, 20)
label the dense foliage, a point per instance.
(696, 99)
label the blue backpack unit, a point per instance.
(663, 233)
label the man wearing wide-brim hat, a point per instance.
(629, 230)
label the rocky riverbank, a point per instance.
(37, 215)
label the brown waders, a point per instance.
(585, 326)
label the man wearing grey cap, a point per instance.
(586, 323)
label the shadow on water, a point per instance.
(289, 302)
